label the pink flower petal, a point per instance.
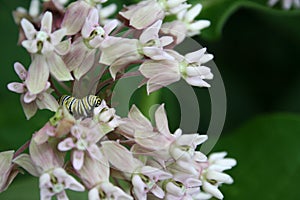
(26, 163)
(47, 101)
(95, 152)
(28, 98)
(86, 65)
(195, 56)
(20, 70)
(44, 156)
(75, 17)
(120, 157)
(161, 80)
(58, 68)
(66, 145)
(28, 108)
(151, 33)
(77, 159)
(162, 121)
(16, 87)
(38, 74)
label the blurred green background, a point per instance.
(257, 51)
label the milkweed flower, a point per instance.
(286, 4)
(81, 57)
(193, 27)
(82, 140)
(213, 175)
(144, 178)
(46, 48)
(95, 176)
(145, 13)
(119, 52)
(189, 67)
(30, 101)
(46, 163)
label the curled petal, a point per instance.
(212, 189)
(197, 81)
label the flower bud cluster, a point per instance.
(75, 48)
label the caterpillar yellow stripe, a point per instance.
(80, 108)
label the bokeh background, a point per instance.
(257, 51)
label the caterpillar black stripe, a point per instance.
(80, 108)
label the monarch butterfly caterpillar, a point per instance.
(80, 107)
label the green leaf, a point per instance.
(268, 154)
(219, 11)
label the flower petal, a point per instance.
(46, 23)
(151, 33)
(28, 98)
(120, 157)
(25, 162)
(20, 70)
(66, 145)
(75, 17)
(86, 65)
(16, 87)
(30, 45)
(28, 108)
(47, 101)
(77, 159)
(58, 68)
(28, 28)
(57, 36)
(38, 74)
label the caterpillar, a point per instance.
(80, 108)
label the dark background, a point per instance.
(257, 53)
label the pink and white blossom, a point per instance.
(189, 67)
(46, 48)
(83, 140)
(29, 100)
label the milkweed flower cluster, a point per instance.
(86, 146)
